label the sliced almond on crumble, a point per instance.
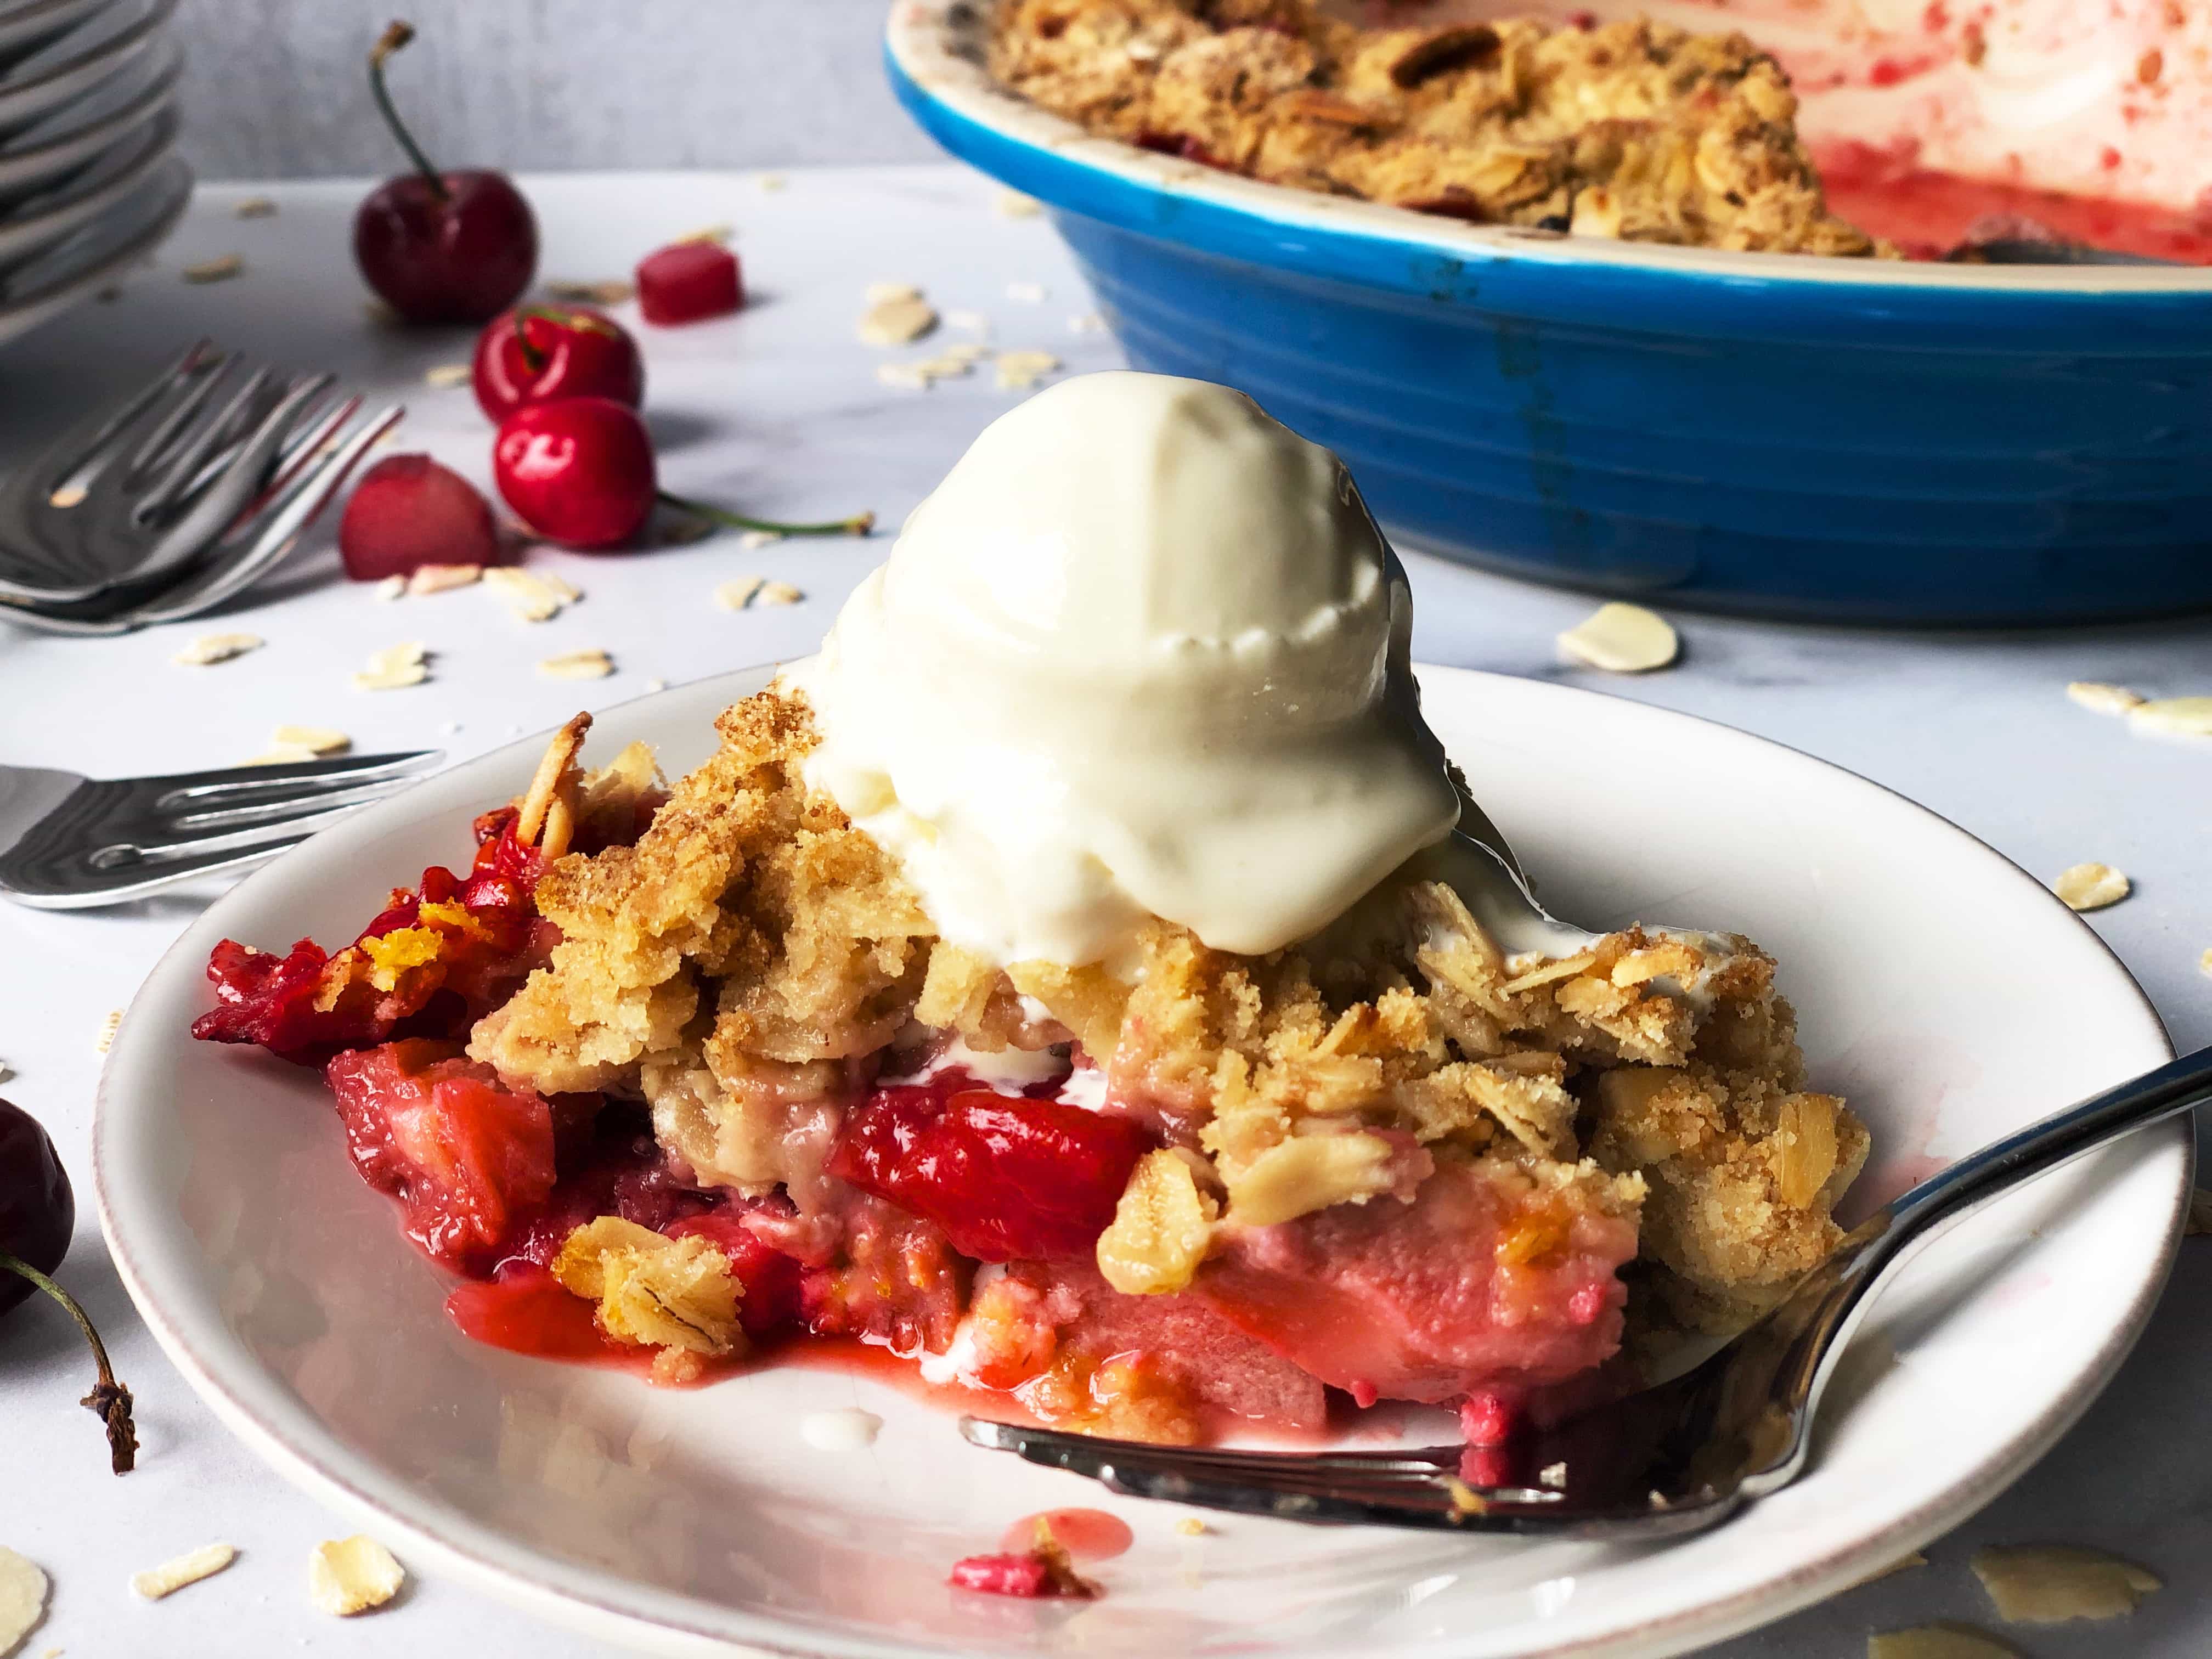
(221, 269)
(1161, 1227)
(1622, 639)
(2099, 698)
(1018, 371)
(442, 578)
(346, 1575)
(2187, 717)
(653, 1290)
(1307, 1173)
(2052, 1583)
(173, 1576)
(395, 667)
(2091, 886)
(444, 375)
(1549, 973)
(898, 320)
(212, 648)
(22, 1598)
(591, 665)
(1804, 1149)
(1938, 1642)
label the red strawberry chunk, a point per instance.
(463, 1152)
(1004, 1177)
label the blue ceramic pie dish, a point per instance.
(1780, 435)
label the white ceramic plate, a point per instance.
(79, 266)
(1944, 991)
(85, 131)
(73, 66)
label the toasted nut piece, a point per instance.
(1938, 1642)
(2099, 698)
(346, 1575)
(22, 1598)
(897, 321)
(171, 1577)
(212, 648)
(667, 1293)
(2187, 717)
(2050, 1583)
(219, 268)
(1307, 1173)
(1443, 50)
(2091, 886)
(1622, 639)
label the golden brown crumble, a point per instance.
(740, 967)
(1634, 128)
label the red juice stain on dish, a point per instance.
(1085, 1534)
(524, 1310)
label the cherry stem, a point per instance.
(108, 1398)
(534, 359)
(859, 525)
(395, 36)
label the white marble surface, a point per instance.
(779, 411)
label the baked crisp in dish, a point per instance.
(1633, 129)
(877, 1027)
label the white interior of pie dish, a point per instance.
(1941, 988)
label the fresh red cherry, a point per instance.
(536, 354)
(36, 1214)
(36, 1210)
(441, 248)
(578, 471)
(407, 511)
(688, 282)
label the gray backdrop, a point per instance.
(276, 88)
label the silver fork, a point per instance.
(1673, 1459)
(68, 842)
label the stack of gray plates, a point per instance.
(89, 184)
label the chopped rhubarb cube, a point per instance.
(463, 1153)
(686, 282)
(1004, 1177)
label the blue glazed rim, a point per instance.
(932, 53)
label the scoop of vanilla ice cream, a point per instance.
(1142, 653)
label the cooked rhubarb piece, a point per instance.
(688, 282)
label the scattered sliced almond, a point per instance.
(718, 232)
(2187, 717)
(753, 540)
(395, 667)
(1903, 1564)
(1018, 371)
(316, 740)
(883, 294)
(611, 292)
(2091, 886)
(675, 529)
(778, 593)
(593, 664)
(391, 587)
(1191, 1527)
(212, 648)
(2101, 699)
(1938, 1642)
(2199, 1225)
(255, 207)
(2204, 964)
(965, 351)
(1028, 294)
(171, 1577)
(346, 1575)
(441, 578)
(22, 1598)
(1012, 205)
(279, 754)
(536, 596)
(110, 1023)
(772, 181)
(221, 269)
(1086, 322)
(446, 374)
(738, 592)
(651, 688)
(969, 322)
(2050, 1583)
(948, 366)
(905, 377)
(1622, 639)
(897, 321)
